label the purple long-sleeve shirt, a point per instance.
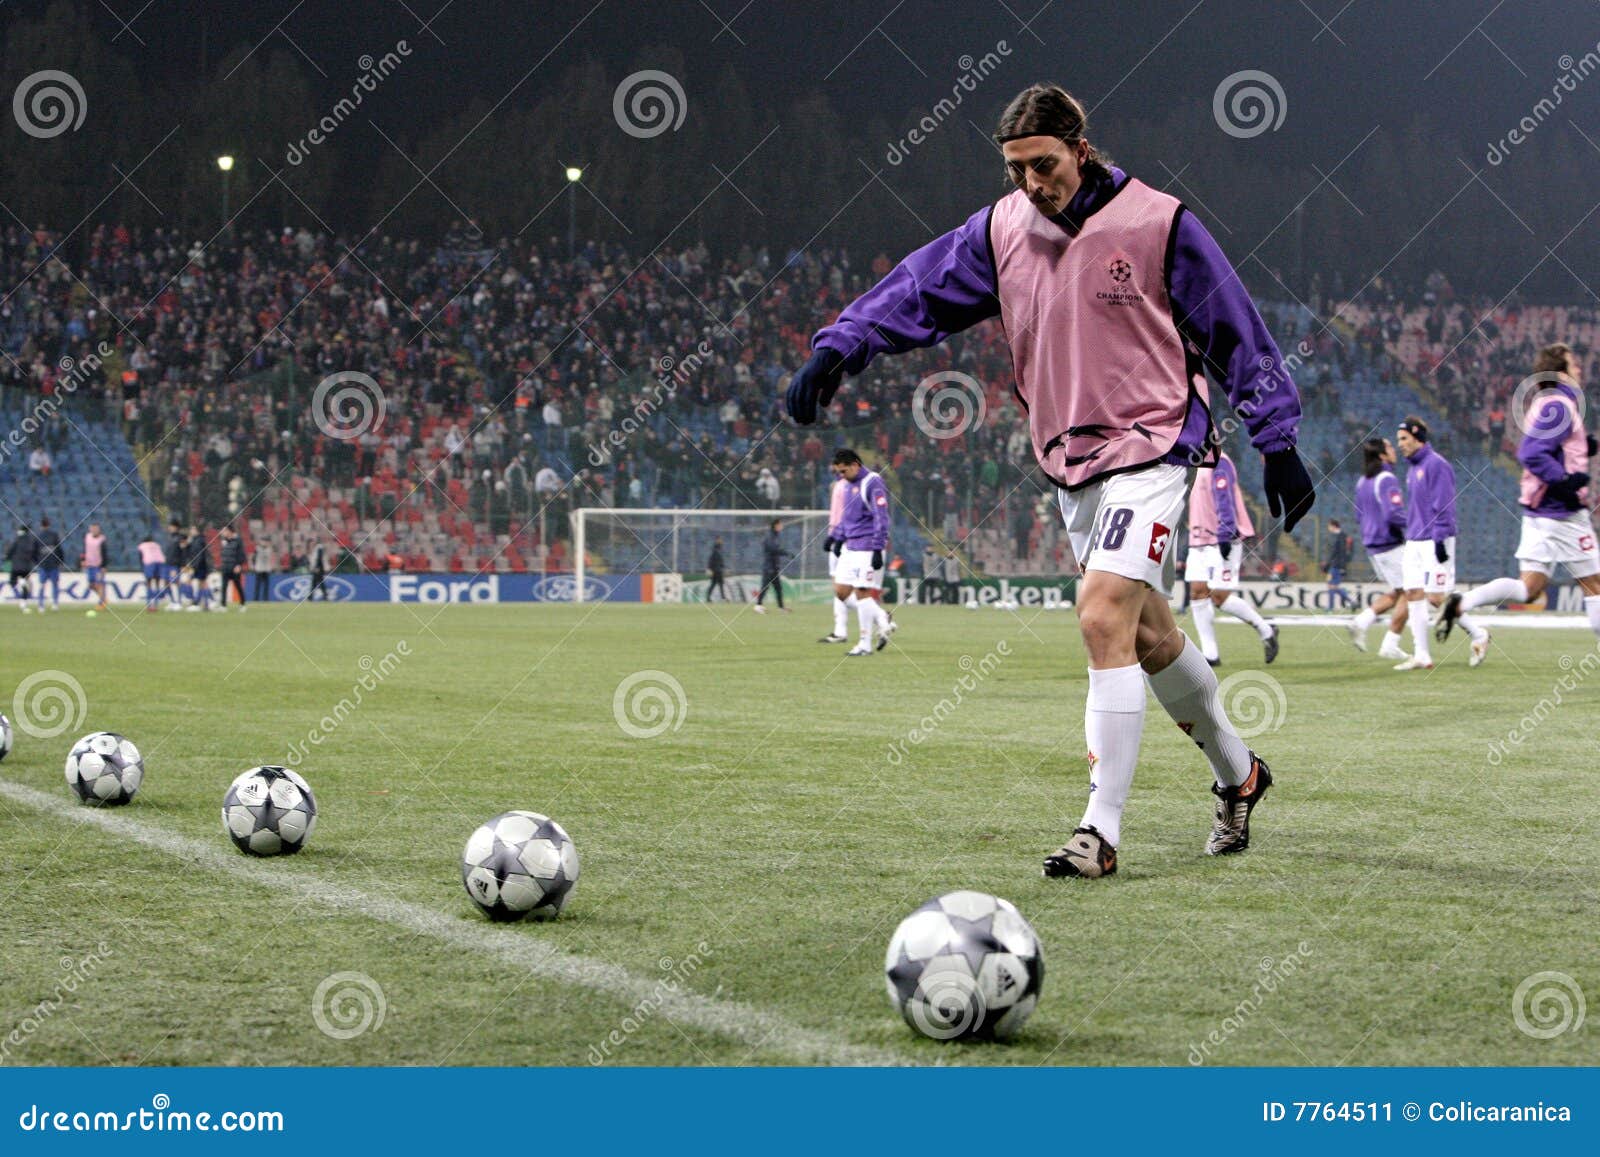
(1382, 511)
(1431, 486)
(950, 285)
(865, 522)
(1545, 457)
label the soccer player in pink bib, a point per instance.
(94, 563)
(1116, 303)
(1218, 526)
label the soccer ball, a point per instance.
(105, 769)
(520, 864)
(964, 965)
(269, 811)
(5, 737)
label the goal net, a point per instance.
(647, 540)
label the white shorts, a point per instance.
(1420, 568)
(1569, 541)
(1206, 565)
(833, 564)
(1389, 566)
(855, 570)
(1126, 523)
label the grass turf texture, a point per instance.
(774, 825)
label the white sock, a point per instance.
(1205, 625)
(841, 615)
(1499, 591)
(1391, 643)
(1113, 721)
(1591, 607)
(1364, 619)
(1187, 688)
(1240, 609)
(1472, 627)
(1417, 620)
(866, 614)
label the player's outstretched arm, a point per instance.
(943, 288)
(1214, 311)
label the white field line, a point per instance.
(749, 1026)
(1514, 620)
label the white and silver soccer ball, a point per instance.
(965, 965)
(269, 811)
(104, 769)
(520, 864)
(5, 737)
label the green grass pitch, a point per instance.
(1401, 884)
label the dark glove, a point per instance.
(1567, 489)
(838, 547)
(1288, 486)
(815, 385)
(830, 546)
(1227, 550)
(1440, 552)
(877, 560)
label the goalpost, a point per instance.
(640, 540)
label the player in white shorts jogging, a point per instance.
(1381, 510)
(1556, 526)
(1218, 526)
(1428, 566)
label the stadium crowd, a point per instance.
(516, 381)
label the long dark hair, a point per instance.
(1048, 110)
(1372, 456)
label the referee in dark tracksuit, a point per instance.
(772, 556)
(232, 565)
(717, 567)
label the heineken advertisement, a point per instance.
(1032, 591)
(1026, 591)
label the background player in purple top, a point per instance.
(1094, 273)
(1556, 526)
(1381, 511)
(1428, 566)
(863, 528)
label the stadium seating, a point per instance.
(617, 376)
